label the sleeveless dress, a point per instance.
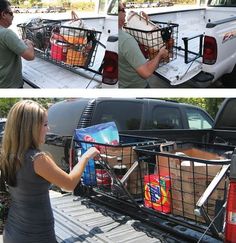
(30, 218)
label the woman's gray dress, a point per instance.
(30, 218)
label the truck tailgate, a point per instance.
(177, 72)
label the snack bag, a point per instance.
(97, 136)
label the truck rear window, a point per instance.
(126, 115)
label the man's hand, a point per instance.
(163, 53)
(28, 42)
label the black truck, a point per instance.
(193, 193)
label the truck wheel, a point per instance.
(229, 80)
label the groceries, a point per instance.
(157, 193)
(68, 43)
(105, 133)
(152, 36)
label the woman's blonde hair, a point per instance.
(22, 132)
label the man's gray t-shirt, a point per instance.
(130, 58)
(11, 48)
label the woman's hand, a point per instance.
(91, 153)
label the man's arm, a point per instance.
(28, 54)
(147, 69)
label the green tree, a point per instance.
(6, 104)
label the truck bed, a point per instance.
(79, 220)
(43, 74)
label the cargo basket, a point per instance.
(74, 47)
(176, 179)
(66, 46)
(117, 173)
(39, 32)
(151, 41)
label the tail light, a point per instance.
(209, 50)
(110, 68)
(230, 227)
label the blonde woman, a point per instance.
(29, 172)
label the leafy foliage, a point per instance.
(7, 103)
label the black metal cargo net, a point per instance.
(187, 181)
(65, 46)
(181, 182)
(150, 42)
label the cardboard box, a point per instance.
(128, 156)
(190, 179)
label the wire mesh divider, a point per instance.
(117, 173)
(65, 46)
(39, 32)
(177, 174)
(151, 41)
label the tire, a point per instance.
(229, 80)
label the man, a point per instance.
(11, 50)
(134, 69)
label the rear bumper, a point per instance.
(202, 79)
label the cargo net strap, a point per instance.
(150, 42)
(64, 45)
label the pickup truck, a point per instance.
(221, 136)
(138, 114)
(205, 43)
(43, 72)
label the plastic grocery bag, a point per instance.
(98, 136)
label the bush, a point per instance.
(83, 6)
